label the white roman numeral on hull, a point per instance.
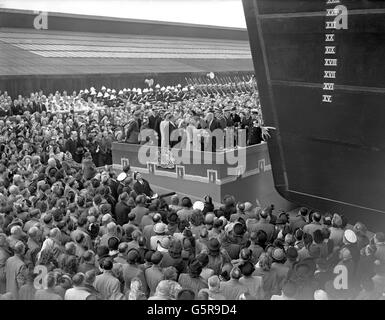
(329, 37)
(331, 62)
(328, 86)
(330, 50)
(330, 24)
(326, 98)
(330, 74)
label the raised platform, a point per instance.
(199, 178)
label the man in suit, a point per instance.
(122, 209)
(172, 126)
(133, 129)
(106, 283)
(71, 144)
(228, 121)
(142, 186)
(212, 125)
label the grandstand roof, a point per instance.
(24, 52)
(60, 50)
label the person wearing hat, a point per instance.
(154, 274)
(234, 239)
(192, 280)
(278, 266)
(254, 284)
(132, 270)
(218, 257)
(160, 230)
(350, 241)
(173, 258)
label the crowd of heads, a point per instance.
(72, 228)
(92, 116)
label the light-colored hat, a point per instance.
(121, 176)
(106, 95)
(113, 91)
(198, 205)
(86, 91)
(350, 236)
(106, 217)
(157, 86)
(162, 89)
(108, 90)
(120, 92)
(99, 95)
(160, 228)
(103, 88)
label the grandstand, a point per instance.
(77, 51)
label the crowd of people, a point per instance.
(72, 229)
(91, 119)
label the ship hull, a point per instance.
(321, 80)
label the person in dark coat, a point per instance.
(71, 145)
(142, 186)
(122, 209)
(132, 132)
